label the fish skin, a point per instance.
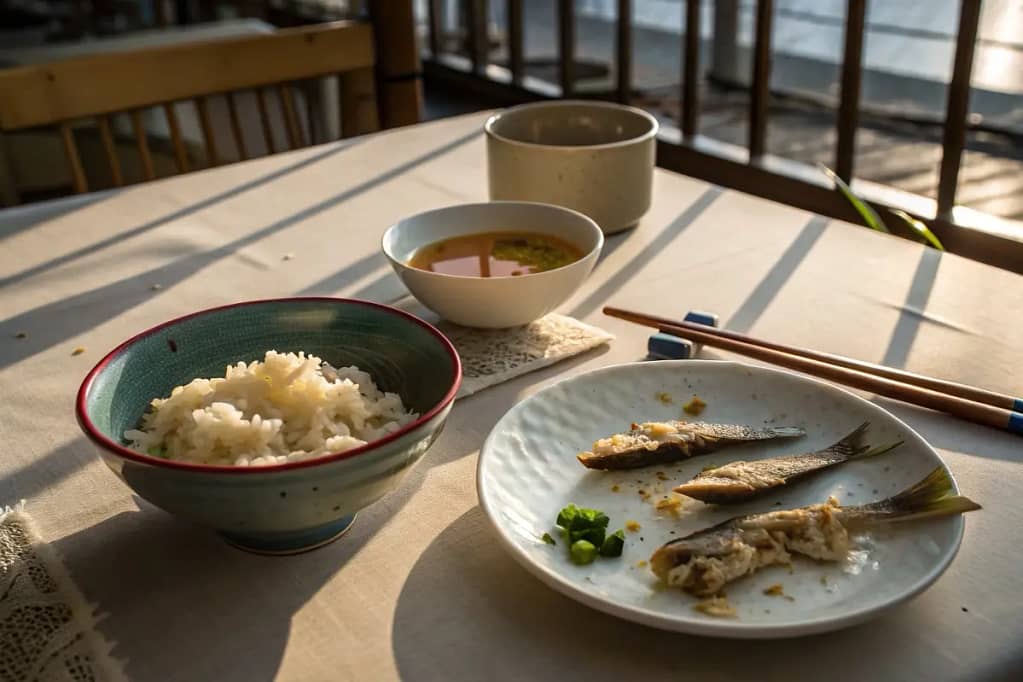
(744, 544)
(664, 442)
(742, 481)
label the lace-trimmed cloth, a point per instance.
(492, 356)
(47, 629)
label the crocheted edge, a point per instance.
(85, 616)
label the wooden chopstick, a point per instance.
(936, 395)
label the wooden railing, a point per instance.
(751, 169)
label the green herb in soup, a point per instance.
(496, 254)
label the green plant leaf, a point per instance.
(870, 216)
(920, 228)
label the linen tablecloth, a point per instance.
(420, 589)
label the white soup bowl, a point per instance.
(493, 302)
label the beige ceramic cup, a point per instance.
(594, 157)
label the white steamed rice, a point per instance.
(282, 409)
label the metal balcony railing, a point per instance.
(752, 169)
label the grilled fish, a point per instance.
(702, 563)
(741, 481)
(661, 442)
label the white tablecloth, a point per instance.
(420, 589)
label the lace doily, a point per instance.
(492, 356)
(47, 631)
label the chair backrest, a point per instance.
(96, 87)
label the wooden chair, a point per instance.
(92, 89)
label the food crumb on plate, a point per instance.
(665, 398)
(155, 287)
(672, 505)
(641, 563)
(776, 590)
(717, 607)
(78, 350)
(21, 335)
(824, 580)
(661, 476)
(632, 526)
(694, 406)
(615, 488)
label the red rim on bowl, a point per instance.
(117, 448)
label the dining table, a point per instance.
(421, 588)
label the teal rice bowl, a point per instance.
(278, 508)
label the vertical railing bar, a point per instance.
(516, 42)
(236, 127)
(291, 121)
(566, 46)
(312, 102)
(761, 79)
(206, 123)
(479, 36)
(74, 161)
(849, 97)
(180, 152)
(623, 47)
(107, 137)
(691, 69)
(434, 21)
(264, 118)
(957, 108)
(145, 158)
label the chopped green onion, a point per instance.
(592, 518)
(582, 552)
(587, 528)
(548, 539)
(613, 545)
(567, 515)
(594, 534)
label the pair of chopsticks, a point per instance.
(960, 400)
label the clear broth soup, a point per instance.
(496, 254)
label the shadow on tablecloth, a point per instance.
(52, 323)
(184, 604)
(468, 611)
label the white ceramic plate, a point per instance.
(528, 472)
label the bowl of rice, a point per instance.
(273, 422)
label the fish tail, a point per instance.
(881, 449)
(931, 497)
(853, 445)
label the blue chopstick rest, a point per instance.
(1018, 405)
(700, 317)
(1016, 422)
(663, 346)
(697, 317)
